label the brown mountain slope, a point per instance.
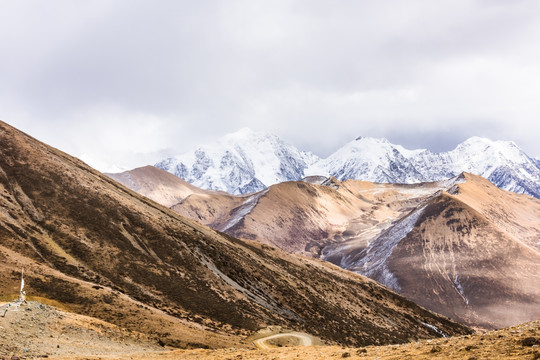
(289, 215)
(156, 184)
(299, 217)
(475, 272)
(306, 218)
(516, 215)
(471, 255)
(211, 208)
(475, 257)
(100, 249)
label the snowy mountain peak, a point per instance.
(378, 160)
(500, 151)
(371, 159)
(369, 139)
(409, 153)
(241, 162)
(368, 147)
(244, 134)
(501, 162)
(476, 139)
(481, 142)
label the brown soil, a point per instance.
(36, 330)
(520, 342)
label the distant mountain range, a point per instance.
(248, 161)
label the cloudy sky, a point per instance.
(122, 83)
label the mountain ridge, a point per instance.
(248, 161)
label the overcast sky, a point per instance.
(111, 81)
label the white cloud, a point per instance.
(105, 78)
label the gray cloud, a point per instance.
(108, 79)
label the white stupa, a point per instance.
(22, 296)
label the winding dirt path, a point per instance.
(305, 340)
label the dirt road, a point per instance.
(304, 339)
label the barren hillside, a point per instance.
(461, 247)
(158, 185)
(102, 250)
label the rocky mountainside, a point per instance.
(246, 162)
(461, 247)
(239, 163)
(475, 247)
(99, 249)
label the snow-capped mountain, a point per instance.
(240, 163)
(248, 161)
(501, 162)
(370, 159)
(377, 160)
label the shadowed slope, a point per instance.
(101, 249)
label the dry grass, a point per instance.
(502, 344)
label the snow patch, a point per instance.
(459, 288)
(457, 283)
(241, 211)
(436, 329)
(374, 263)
